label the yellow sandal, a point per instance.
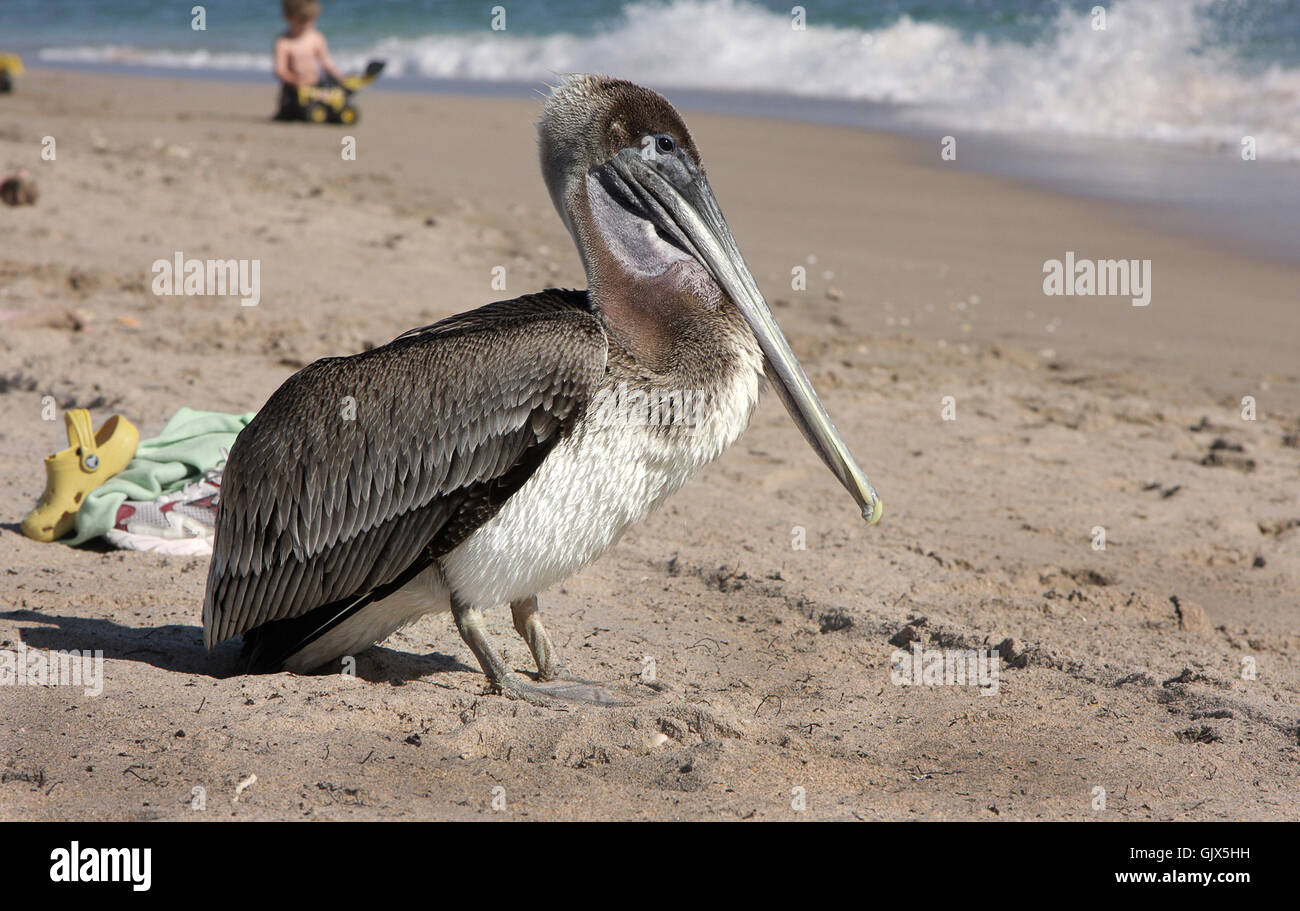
(91, 460)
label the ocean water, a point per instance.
(1151, 110)
(1201, 74)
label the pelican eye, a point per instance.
(664, 145)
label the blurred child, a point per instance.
(302, 58)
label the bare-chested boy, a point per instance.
(301, 54)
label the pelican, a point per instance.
(475, 462)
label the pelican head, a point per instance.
(625, 176)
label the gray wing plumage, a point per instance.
(316, 507)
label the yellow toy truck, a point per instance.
(10, 65)
(329, 102)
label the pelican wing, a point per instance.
(361, 469)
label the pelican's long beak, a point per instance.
(676, 195)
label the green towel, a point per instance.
(190, 444)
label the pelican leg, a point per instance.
(469, 621)
(528, 623)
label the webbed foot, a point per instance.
(561, 691)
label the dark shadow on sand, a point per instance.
(172, 648)
(180, 648)
(98, 545)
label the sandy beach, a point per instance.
(1161, 670)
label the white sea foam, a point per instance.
(1150, 75)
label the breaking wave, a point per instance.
(1156, 72)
